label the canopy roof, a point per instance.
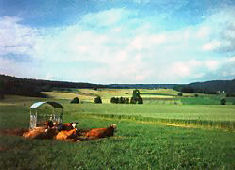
(53, 104)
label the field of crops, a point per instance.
(157, 96)
(149, 136)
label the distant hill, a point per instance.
(213, 86)
(34, 87)
(142, 86)
(228, 86)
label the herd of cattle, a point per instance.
(68, 131)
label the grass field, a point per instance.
(200, 136)
(157, 96)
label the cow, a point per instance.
(97, 133)
(67, 134)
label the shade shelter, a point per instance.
(39, 116)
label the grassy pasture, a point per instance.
(160, 105)
(142, 141)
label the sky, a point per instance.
(118, 41)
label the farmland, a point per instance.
(166, 132)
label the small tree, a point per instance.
(136, 98)
(112, 100)
(133, 101)
(97, 99)
(75, 100)
(223, 101)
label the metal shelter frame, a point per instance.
(36, 118)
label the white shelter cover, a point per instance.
(53, 104)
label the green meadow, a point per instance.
(166, 132)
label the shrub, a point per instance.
(98, 100)
(112, 100)
(223, 101)
(75, 100)
(196, 95)
(180, 94)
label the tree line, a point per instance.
(135, 99)
(208, 87)
(34, 87)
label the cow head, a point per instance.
(74, 124)
(113, 126)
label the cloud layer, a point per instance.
(119, 46)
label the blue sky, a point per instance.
(118, 41)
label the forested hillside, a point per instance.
(34, 87)
(142, 86)
(213, 86)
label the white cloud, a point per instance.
(212, 64)
(18, 69)
(16, 38)
(203, 32)
(231, 59)
(106, 18)
(220, 30)
(211, 45)
(121, 53)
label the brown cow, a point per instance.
(97, 133)
(66, 134)
(36, 133)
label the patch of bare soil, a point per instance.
(14, 132)
(2, 149)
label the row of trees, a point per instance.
(96, 100)
(135, 99)
(121, 100)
